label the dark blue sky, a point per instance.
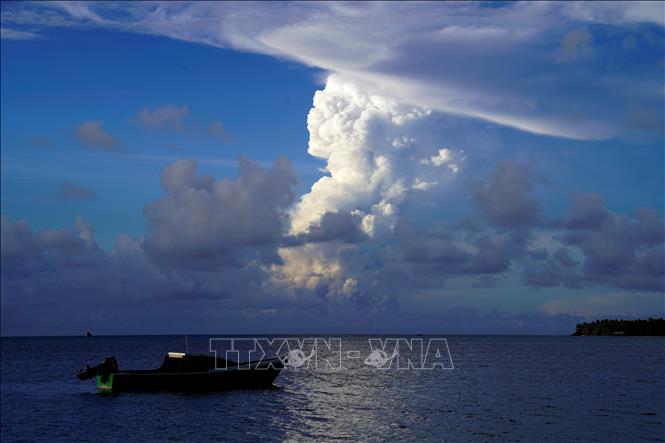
(474, 170)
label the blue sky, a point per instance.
(463, 170)
(109, 77)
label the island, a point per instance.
(651, 327)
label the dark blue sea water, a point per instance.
(528, 389)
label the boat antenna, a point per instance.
(186, 344)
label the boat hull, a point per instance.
(214, 380)
(183, 372)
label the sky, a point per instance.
(324, 167)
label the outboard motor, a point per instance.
(106, 367)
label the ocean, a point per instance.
(502, 388)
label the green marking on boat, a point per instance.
(104, 386)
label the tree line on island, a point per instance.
(652, 326)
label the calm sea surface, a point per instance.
(529, 389)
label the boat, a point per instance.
(184, 372)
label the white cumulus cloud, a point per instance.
(445, 158)
(372, 146)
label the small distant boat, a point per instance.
(88, 334)
(184, 372)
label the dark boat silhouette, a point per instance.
(184, 372)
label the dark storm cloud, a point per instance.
(476, 253)
(650, 227)
(614, 249)
(541, 274)
(203, 222)
(485, 248)
(27, 254)
(505, 199)
(197, 230)
(334, 226)
(591, 244)
(70, 192)
(339, 225)
(545, 269)
(587, 211)
(626, 252)
(495, 253)
(60, 279)
(563, 258)
(210, 244)
(213, 244)
(600, 246)
(429, 248)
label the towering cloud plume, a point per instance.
(374, 149)
(377, 153)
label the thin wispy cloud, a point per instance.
(93, 136)
(164, 117)
(71, 192)
(218, 130)
(15, 34)
(179, 119)
(576, 45)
